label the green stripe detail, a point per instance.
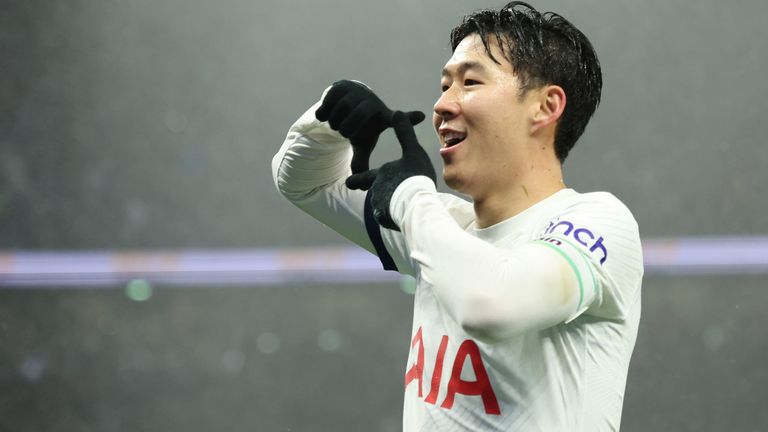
(573, 266)
(586, 259)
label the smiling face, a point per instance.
(482, 120)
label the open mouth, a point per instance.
(453, 141)
(453, 138)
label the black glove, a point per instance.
(360, 116)
(383, 181)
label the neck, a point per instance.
(527, 187)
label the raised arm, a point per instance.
(312, 164)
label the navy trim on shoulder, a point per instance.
(374, 233)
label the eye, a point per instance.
(470, 82)
(444, 88)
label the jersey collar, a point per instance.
(519, 222)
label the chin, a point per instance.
(454, 181)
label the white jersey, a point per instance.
(565, 376)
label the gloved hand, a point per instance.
(360, 116)
(383, 181)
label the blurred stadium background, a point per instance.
(152, 279)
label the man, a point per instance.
(528, 298)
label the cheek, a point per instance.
(486, 107)
(505, 117)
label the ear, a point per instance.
(551, 103)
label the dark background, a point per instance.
(260, 359)
(151, 125)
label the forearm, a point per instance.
(310, 169)
(312, 156)
(492, 292)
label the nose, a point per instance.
(447, 106)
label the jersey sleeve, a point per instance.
(599, 237)
(495, 292)
(310, 169)
(492, 291)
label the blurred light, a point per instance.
(137, 212)
(268, 343)
(713, 337)
(32, 368)
(138, 290)
(233, 361)
(329, 340)
(332, 265)
(408, 284)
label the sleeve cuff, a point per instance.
(405, 193)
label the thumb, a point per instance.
(360, 158)
(415, 117)
(404, 132)
(362, 181)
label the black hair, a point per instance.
(543, 48)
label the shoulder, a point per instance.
(596, 209)
(599, 200)
(601, 226)
(603, 229)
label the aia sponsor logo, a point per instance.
(467, 351)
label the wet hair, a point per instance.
(543, 48)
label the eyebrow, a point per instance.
(463, 67)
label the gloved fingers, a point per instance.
(361, 155)
(362, 181)
(342, 109)
(384, 219)
(415, 117)
(357, 119)
(405, 133)
(335, 93)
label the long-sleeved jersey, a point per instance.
(526, 371)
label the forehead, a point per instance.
(470, 53)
